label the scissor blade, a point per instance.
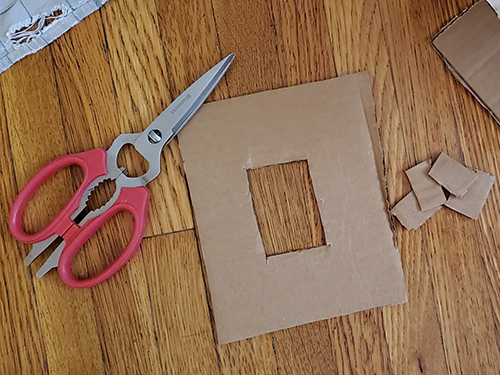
(39, 248)
(177, 114)
(170, 122)
(52, 261)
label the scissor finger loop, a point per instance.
(130, 194)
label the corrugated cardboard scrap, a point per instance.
(428, 192)
(470, 46)
(452, 175)
(331, 124)
(468, 191)
(471, 203)
(410, 215)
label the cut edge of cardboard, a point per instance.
(470, 204)
(396, 294)
(452, 68)
(370, 113)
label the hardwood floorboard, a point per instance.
(121, 67)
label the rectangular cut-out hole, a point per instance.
(285, 205)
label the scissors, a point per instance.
(130, 195)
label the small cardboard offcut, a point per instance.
(452, 175)
(331, 124)
(428, 192)
(471, 203)
(474, 187)
(470, 46)
(409, 214)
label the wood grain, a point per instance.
(140, 79)
(305, 350)
(21, 348)
(433, 109)
(412, 336)
(288, 219)
(304, 46)
(119, 68)
(179, 304)
(248, 30)
(66, 316)
(190, 43)
(123, 345)
(251, 356)
(286, 208)
(360, 343)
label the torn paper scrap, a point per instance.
(452, 175)
(29, 25)
(428, 192)
(472, 202)
(409, 214)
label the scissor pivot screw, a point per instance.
(154, 136)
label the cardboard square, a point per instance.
(470, 46)
(330, 124)
(428, 192)
(409, 214)
(471, 203)
(452, 175)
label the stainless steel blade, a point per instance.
(52, 261)
(167, 125)
(39, 248)
(170, 122)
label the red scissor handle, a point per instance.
(134, 200)
(92, 162)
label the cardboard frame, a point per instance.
(331, 125)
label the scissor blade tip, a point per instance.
(41, 273)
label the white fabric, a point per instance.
(30, 25)
(495, 5)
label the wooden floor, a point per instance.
(119, 68)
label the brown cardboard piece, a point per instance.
(471, 203)
(428, 192)
(470, 46)
(331, 124)
(452, 175)
(409, 214)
